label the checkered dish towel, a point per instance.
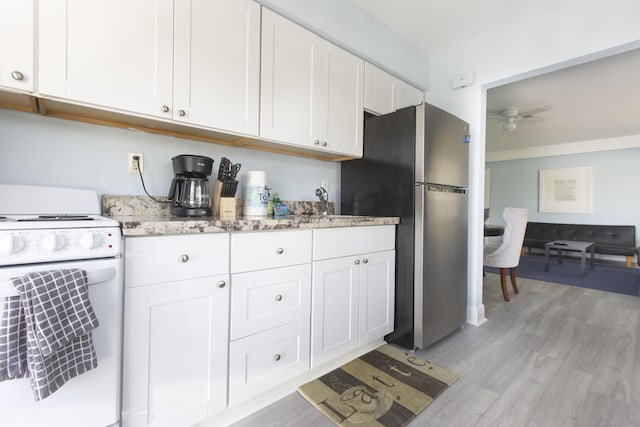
(45, 333)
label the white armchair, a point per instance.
(507, 255)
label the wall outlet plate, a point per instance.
(133, 164)
(325, 184)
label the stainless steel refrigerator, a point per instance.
(415, 166)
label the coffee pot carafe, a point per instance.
(189, 192)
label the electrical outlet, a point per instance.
(325, 184)
(134, 164)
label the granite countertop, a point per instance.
(141, 217)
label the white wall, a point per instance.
(574, 32)
(344, 24)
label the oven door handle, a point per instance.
(94, 277)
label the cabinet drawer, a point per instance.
(264, 299)
(159, 259)
(339, 242)
(265, 360)
(257, 251)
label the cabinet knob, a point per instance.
(17, 75)
(365, 261)
(221, 284)
(277, 357)
(181, 113)
(165, 108)
(316, 142)
(278, 297)
(356, 262)
(184, 258)
(280, 251)
(324, 143)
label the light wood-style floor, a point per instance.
(555, 355)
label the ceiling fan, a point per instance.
(510, 116)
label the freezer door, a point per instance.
(446, 150)
(441, 262)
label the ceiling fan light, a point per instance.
(509, 125)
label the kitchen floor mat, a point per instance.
(386, 387)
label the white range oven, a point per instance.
(50, 228)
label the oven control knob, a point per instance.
(52, 242)
(11, 244)
(90, 240)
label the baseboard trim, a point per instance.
(475, 315)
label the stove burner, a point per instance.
(59, 218)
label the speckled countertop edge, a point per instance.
(155, 226)
(141, 216)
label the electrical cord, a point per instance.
(137, 160)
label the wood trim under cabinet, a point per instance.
(81, 113)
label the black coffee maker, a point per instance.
(189, 192)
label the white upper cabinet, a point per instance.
(217, 64)
(116, 54)
(385, 93)
(197, 62)
(16, 44)
(311, 90)
(406, 95)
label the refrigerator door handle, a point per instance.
(418, 272)
(442, 188)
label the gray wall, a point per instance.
(45, 151)
(615, 178)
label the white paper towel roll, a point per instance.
(255, 195)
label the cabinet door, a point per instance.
(377, 295)
(217, 64)
(385, 93)
(407, 95)
(116, 54)
(16, 44)
(288, 69)
(378, 93)
(175, 352)
(338, 122)
(334, 312)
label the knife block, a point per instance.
(223, 207)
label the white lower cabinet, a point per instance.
(353, 293)
(270, 310)
(213, 320)
(176, 330)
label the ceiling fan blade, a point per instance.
(530, 113)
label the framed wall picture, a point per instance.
(565, 190)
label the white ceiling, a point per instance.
(596, 100)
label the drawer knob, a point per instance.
(165, 108)
(365, 261)
(277, 357)
(316, 142)
(357, 262)
(221, 284)
(17, 75)
(324, 143)
(184, 258)
(278, 297)
(280, 251)
(181, 113)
